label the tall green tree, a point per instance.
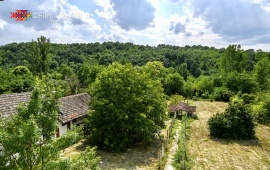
(87, 74)
(39, 56)
(234, 59)
(183, 71)
(1, 57)
(204, 85)
(174, 84)
(156, 70)
(241, 82)
(262, 72)
(128, 108)
(4, 79)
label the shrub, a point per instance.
(174, 84)
(176, 98)
(248, 98)
(222, 94)
(263, 113)
(241, 82)
(236, 123)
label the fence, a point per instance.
(184, 147)
(164, 147)
(162, 151)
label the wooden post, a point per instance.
(184, 148)
(162, 150)
(159, 159)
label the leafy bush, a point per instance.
(176, 98)
(221, 94)
(236, 122)
(263, 113)
(174, 84)
(241, 82)
(259, 114)
(204, 85)
(261, 107)
(248, 98)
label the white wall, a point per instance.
(62, 129)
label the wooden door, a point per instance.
(68, 125)
(57, 133)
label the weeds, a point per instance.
(181, 158)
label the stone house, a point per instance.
(72, 108)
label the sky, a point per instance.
(215, 23)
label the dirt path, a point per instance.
(172, 151)
(212, 153)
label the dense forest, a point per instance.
(67, 60)
(191, 71)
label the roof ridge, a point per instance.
(73, 95)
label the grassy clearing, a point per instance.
(140, 158)
(213, 153)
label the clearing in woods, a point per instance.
(213, 153)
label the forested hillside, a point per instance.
(199, 59)
(72, 60)
(191, 71)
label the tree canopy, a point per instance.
(128, 108)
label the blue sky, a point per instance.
(215, 23)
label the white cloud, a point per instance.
(133, 14)
(67, 23)
(106, 11)
(234, 21)
(116, 34)
(209, 22)
(2, 24)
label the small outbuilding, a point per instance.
(182, 108)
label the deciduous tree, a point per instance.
(128, 108)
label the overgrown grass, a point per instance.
(181, 157)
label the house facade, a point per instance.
(73, 109)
